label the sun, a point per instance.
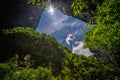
(51, 9)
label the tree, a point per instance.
(79, 67)
(106, 36)
(12, 70)
(42, 49)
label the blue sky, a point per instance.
(66, 29)
(51, 23)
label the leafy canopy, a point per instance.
(106, 35)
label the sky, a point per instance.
(66, 29)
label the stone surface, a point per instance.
(19, 13)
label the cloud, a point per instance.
(57, 21)
(68, 30)
(81, 50)
(69, 39)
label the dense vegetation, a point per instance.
(41, 57)
(37, 49)
(106, 35)
(75, 67)
(28, 55)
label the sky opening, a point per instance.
(66, 29)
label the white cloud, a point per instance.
(76, 23)
(78, 32)
(70, 38)
(77, 42)
(81, 50)
(72, 24)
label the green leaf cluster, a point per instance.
(79, 67)
(74, 67)
(12, 71)
(79, 6)
(106, 36)
(43, 50)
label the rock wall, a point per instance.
(65, 7)
(19, 13)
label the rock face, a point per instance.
(65, 7)
(19, 13)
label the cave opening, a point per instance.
(66, 29)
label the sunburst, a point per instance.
(51, 9)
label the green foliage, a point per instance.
(75, 67)
(31, 1)
(106, 35)
(45, 50)
(83, 5)
(41, 3)
(9, 67)
(12, 71)
(32, 74)
(108, 13)
(78, 6)
(79, 67)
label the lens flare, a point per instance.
(51, 9)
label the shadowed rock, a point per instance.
(18, 12)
